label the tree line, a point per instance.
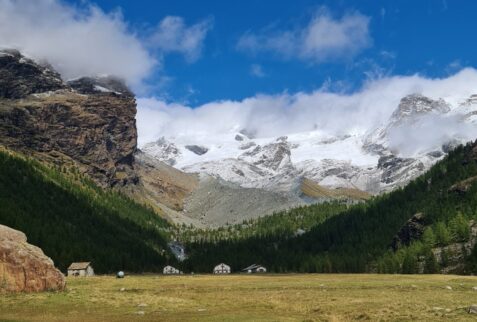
(358, 239)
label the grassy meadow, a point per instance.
(311, 297)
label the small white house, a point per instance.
(222, 269)
(81, 269)
(254, 268)
(169, 270)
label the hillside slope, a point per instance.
(72, 219)
(363, 238)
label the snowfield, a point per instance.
(373, 160)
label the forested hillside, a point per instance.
(360, 239)
(279, 225)
(72, 219)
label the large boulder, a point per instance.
(24, 267)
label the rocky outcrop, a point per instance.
(197, 149)
(412, 230)
(462, 187)
(452, 257)
(86, 123)
(393, 168)
(163, 151)
(24, 267)
(20, 76)
(89, 123)
(272, 156)
(239, 137)
(95, 85)
(414, 105)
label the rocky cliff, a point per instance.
(24, 267)
(89, 122)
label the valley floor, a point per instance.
(309, 297)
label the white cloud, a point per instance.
(174, 36)
(283, 114)
(83, 40)
(257, 71)
(454, 66)
(75, 41)
(323, 39)
(430, 131)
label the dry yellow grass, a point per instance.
(313, 189)
(250, 298)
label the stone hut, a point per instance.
(81, 269)
(169, 270)
(222, 269)
(254, 268)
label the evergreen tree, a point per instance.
(443, 236)
(431, 266)
(409, 264)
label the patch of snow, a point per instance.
(350, 160)
(102, 89)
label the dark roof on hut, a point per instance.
(79, 265)
(252, 267)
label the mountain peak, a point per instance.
(100, 84)
(417, 104)
(21, 76)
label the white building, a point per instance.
(254, 268)
(169, 270)
(222, 269)
(81, 269)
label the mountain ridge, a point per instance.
(371, 161)
(89, 123)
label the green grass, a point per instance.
(311, 297)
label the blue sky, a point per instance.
(213, 68)
(430, 37)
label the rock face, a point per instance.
(86, 123)
(89, 122)
(272, 156)
(416, 104)
(452, 257)
(392, 167)
(95, 85)
(463, 186)
(20, 76)
(163, 151)
(412, 230)
(24, 267)
(197, 149)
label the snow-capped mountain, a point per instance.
(376, 160)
